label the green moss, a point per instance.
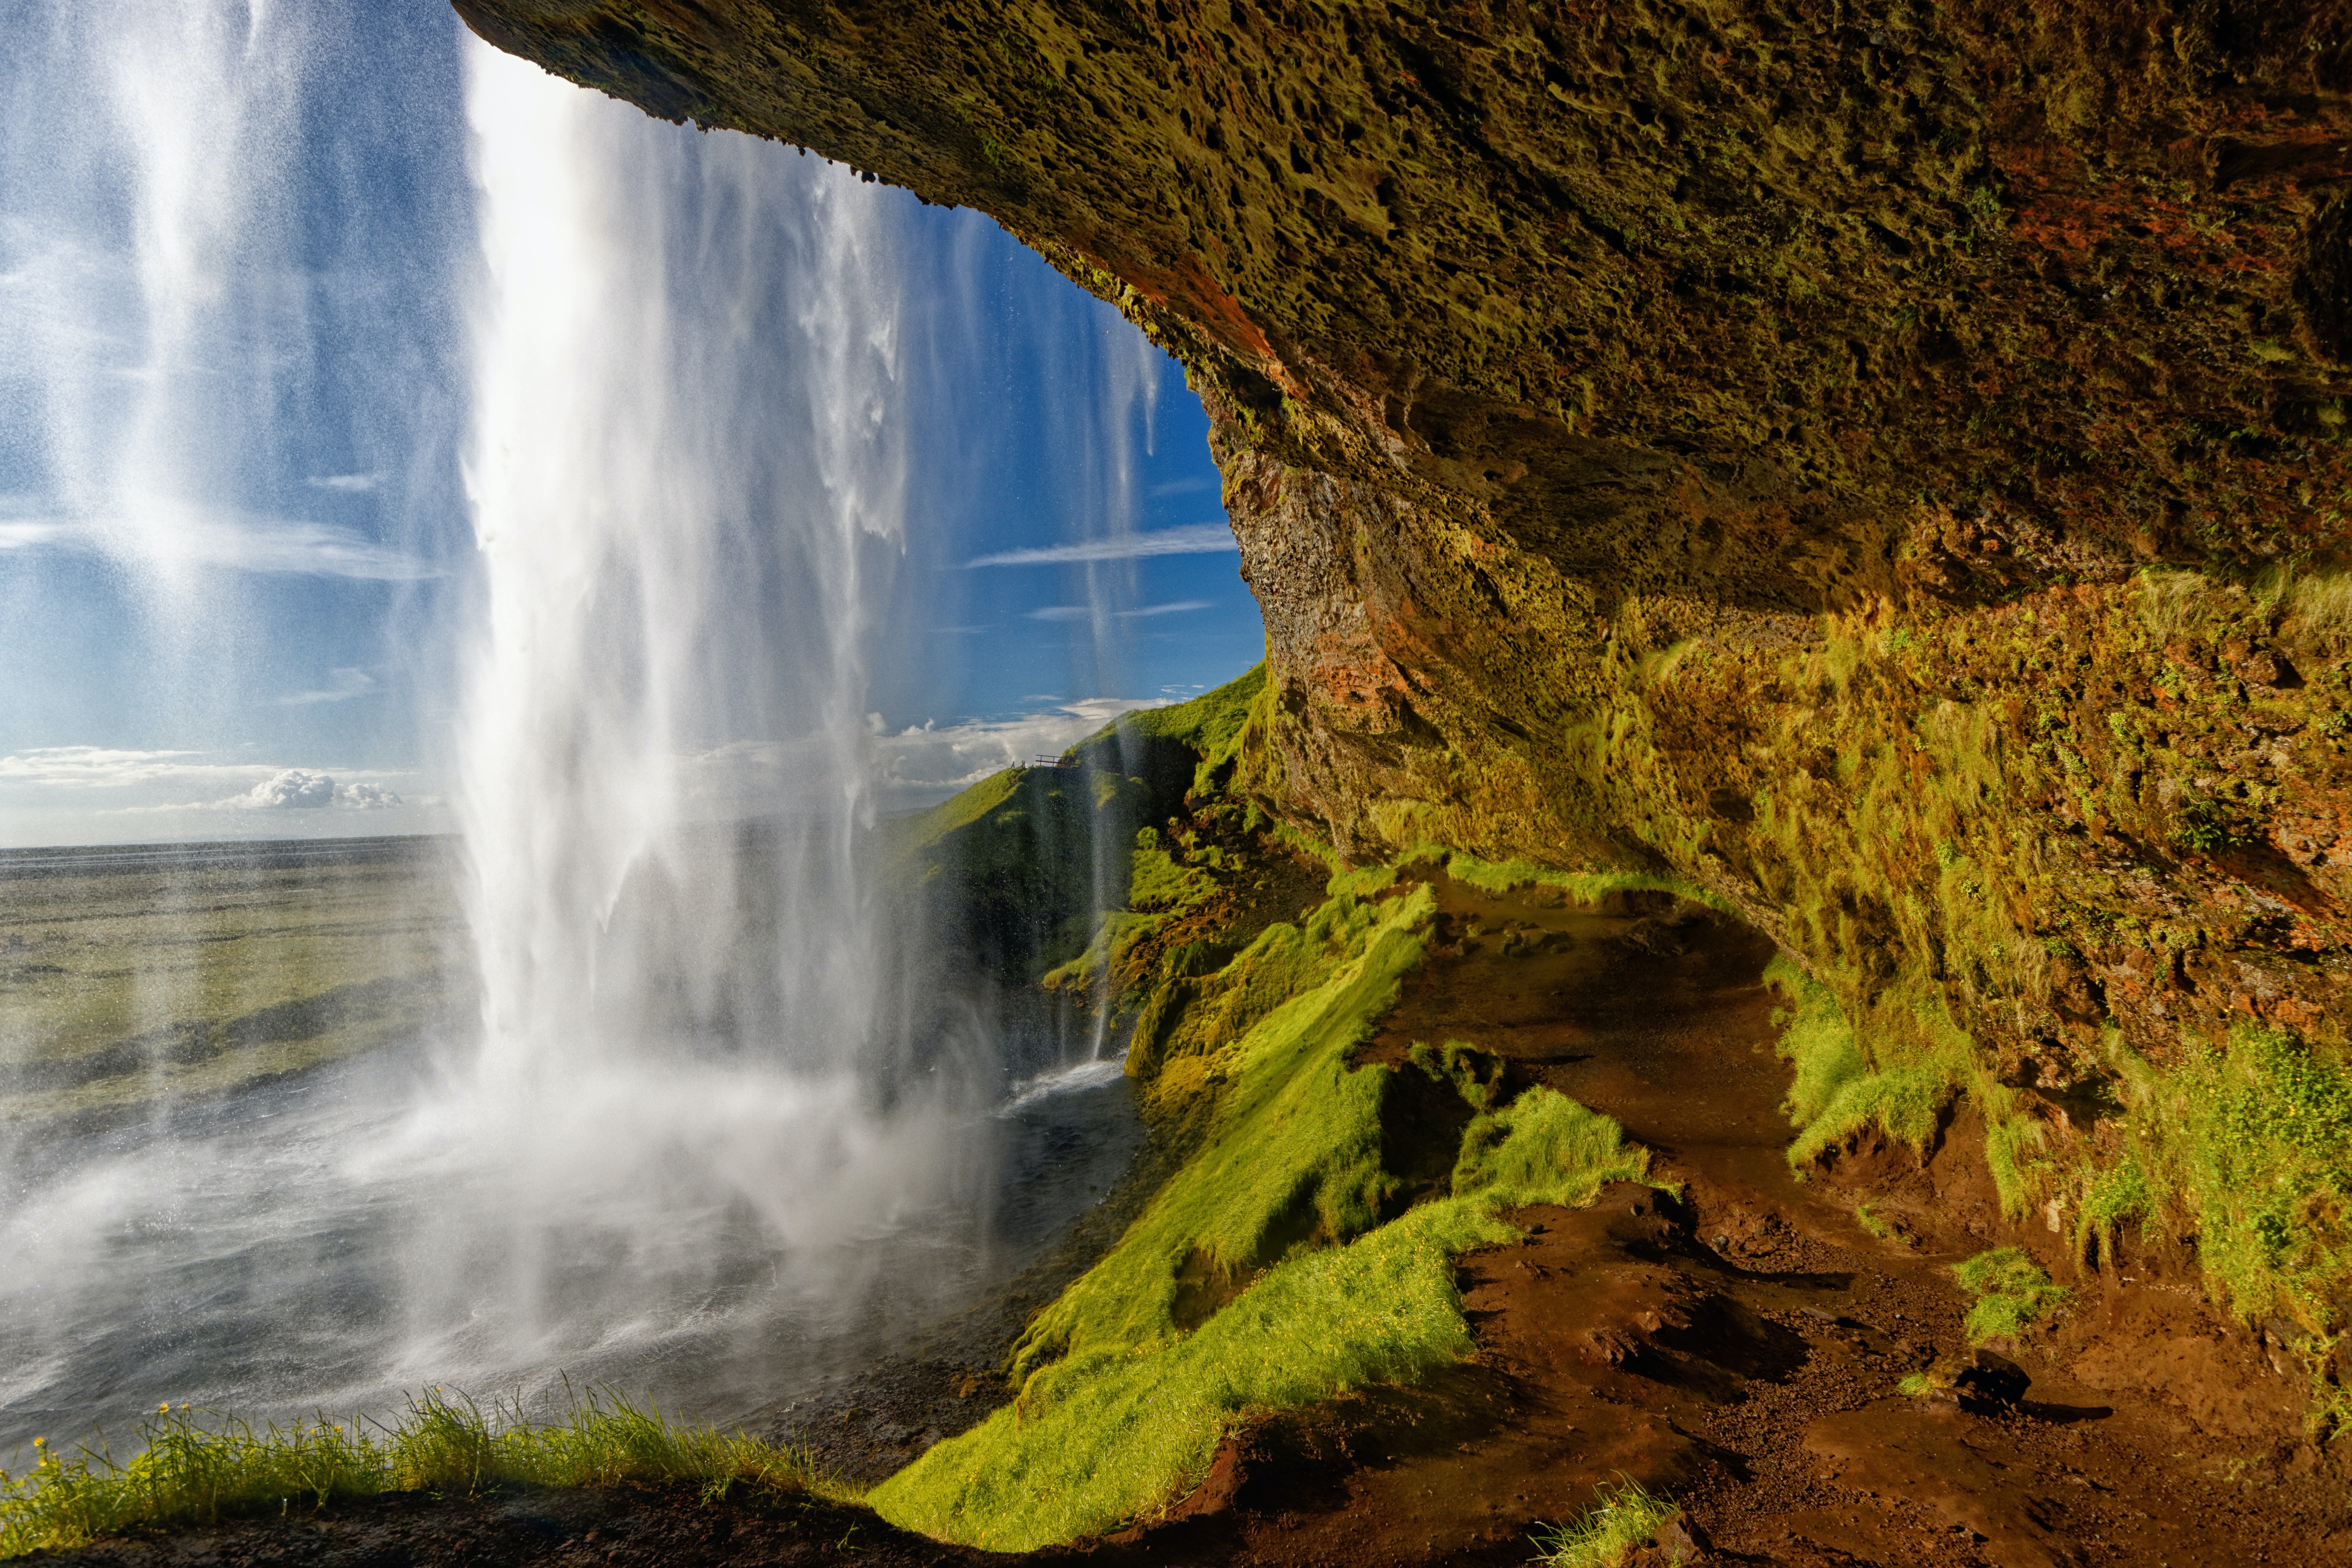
(2251, 1144)
(1585, 887)
(1293, 1147)
(1544, 1148)
(1906, 1101)
(2012, 1292)
(1816, 1038)
(2013, 1145)
(1114, 1433)
(1475, 1075)
(2121, 1191)
(1364, 881)
(1837, 1092)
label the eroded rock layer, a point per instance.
(1885, 462)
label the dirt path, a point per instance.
(1741, 1348)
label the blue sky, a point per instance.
(240, 279)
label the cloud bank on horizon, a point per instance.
(91, 783)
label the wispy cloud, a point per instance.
(102, 767)
(1183, 487)
(1193, 539)
(346, 484)
(23, 533)
(191, 536)
(1080, 612)
(346, 684)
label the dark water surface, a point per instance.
(336, 1241)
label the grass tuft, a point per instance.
(198, 1467)
(1837, 1092)
(2012, 1292)
(1622, 1517)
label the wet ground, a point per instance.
(1737, 1346)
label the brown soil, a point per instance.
(622, 1527)
(1737, 1346)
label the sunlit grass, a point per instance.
(2012, 1290)
(197, 1466)
(1622, 1517)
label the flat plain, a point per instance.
(128, 976)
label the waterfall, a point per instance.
(687, 474)
(707, 1125)
(687, 515)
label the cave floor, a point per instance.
(1736, 1345)
(1739, 1347)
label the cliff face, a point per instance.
(1885, 462)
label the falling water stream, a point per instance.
(724, 1127)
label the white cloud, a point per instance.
(193, 536)
(101, 767)
(294, 789)
(1193, 539)
(347, 684)
(911, 767)
(931, 762)
(1183, 487)
(22, 534)
(347, 484)
(1080, 612)
(265, 786)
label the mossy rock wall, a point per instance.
(1886, 463)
